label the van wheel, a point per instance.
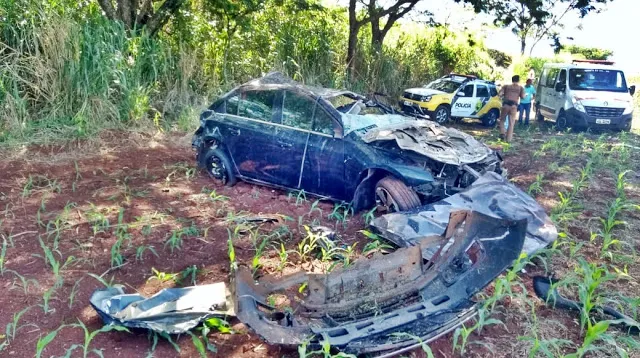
(539, 115)
(218, 167)
(442, 114)
(561, 121)
(392, 195)
(491, 118)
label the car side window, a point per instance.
(468, 90)
(482, 91)
(256, 105)
(297, 111)
(232, 105)
(493, 90)
(551, 77)
(322, 122)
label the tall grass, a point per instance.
(67, 72)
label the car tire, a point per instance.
(561, 121)
(392, 194)
(442, 114)
(490, 119)
(219, 167)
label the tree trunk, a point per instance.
(523, 44)
(354, 28)
(136, 14)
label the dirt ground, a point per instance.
(136, 191)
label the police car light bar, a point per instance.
(598, 62)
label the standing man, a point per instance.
(511, 95)
(525, 103)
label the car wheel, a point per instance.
(491, 118)
(392, 195)
(561, 121)
(441, 114)
(219, 167)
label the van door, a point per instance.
(560, 95)
(548, 93)
(464, 103)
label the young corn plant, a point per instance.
(175, 240)
(376, 244)
(88, 338)
(255, 262)
(462, 333)
(140, 250)
(232, 251)
(308, 245)
(536, 187)
(162, 276)
(340, 213)
(190, 273)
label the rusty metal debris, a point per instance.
(364, 307)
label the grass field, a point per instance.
(131, 209)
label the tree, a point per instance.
(373, 14)
(534, 19)
(138, 14)
(589, 53)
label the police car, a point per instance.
(454, 96)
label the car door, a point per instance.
(290, 138)
(323, 169)
(248, 132)
(464, 101)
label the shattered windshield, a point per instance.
(350, 105)
(363, 123)
(444, 85)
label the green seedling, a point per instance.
(536, 187)
(217, 197)
(25, 283)
(162, 276)
(425, 347)
(255, 262)
(283, 255)
(46, 297)
(144, 248)
(307, 245)
(12, 327)
(74, 292)
(89, 337)
(369, 216)
(375, 244)
(463, 332)
(300, 195)
(3, 254)
(341, 213)
(190, 272)
(175, 240)
(231, 252)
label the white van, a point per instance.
(585, 94)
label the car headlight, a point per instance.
(425, 99)
(577, 104)
(629, 108)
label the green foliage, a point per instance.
(589, 53)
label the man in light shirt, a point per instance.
(525, 103)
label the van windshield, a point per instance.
(597, 80)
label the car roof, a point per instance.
(277, 80)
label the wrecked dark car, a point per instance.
(335, 144)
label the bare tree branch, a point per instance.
(162, 16)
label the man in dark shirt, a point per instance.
(511, 95)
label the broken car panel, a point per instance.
(491, 195)
(170, 311)
(363, 308)
(335, 144)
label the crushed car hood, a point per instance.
(491, 195)
(447, 145)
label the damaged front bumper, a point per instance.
(491, 194)
(369, 306)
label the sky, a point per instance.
(615, 28)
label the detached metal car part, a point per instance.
(370, 306)
(335, 144)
